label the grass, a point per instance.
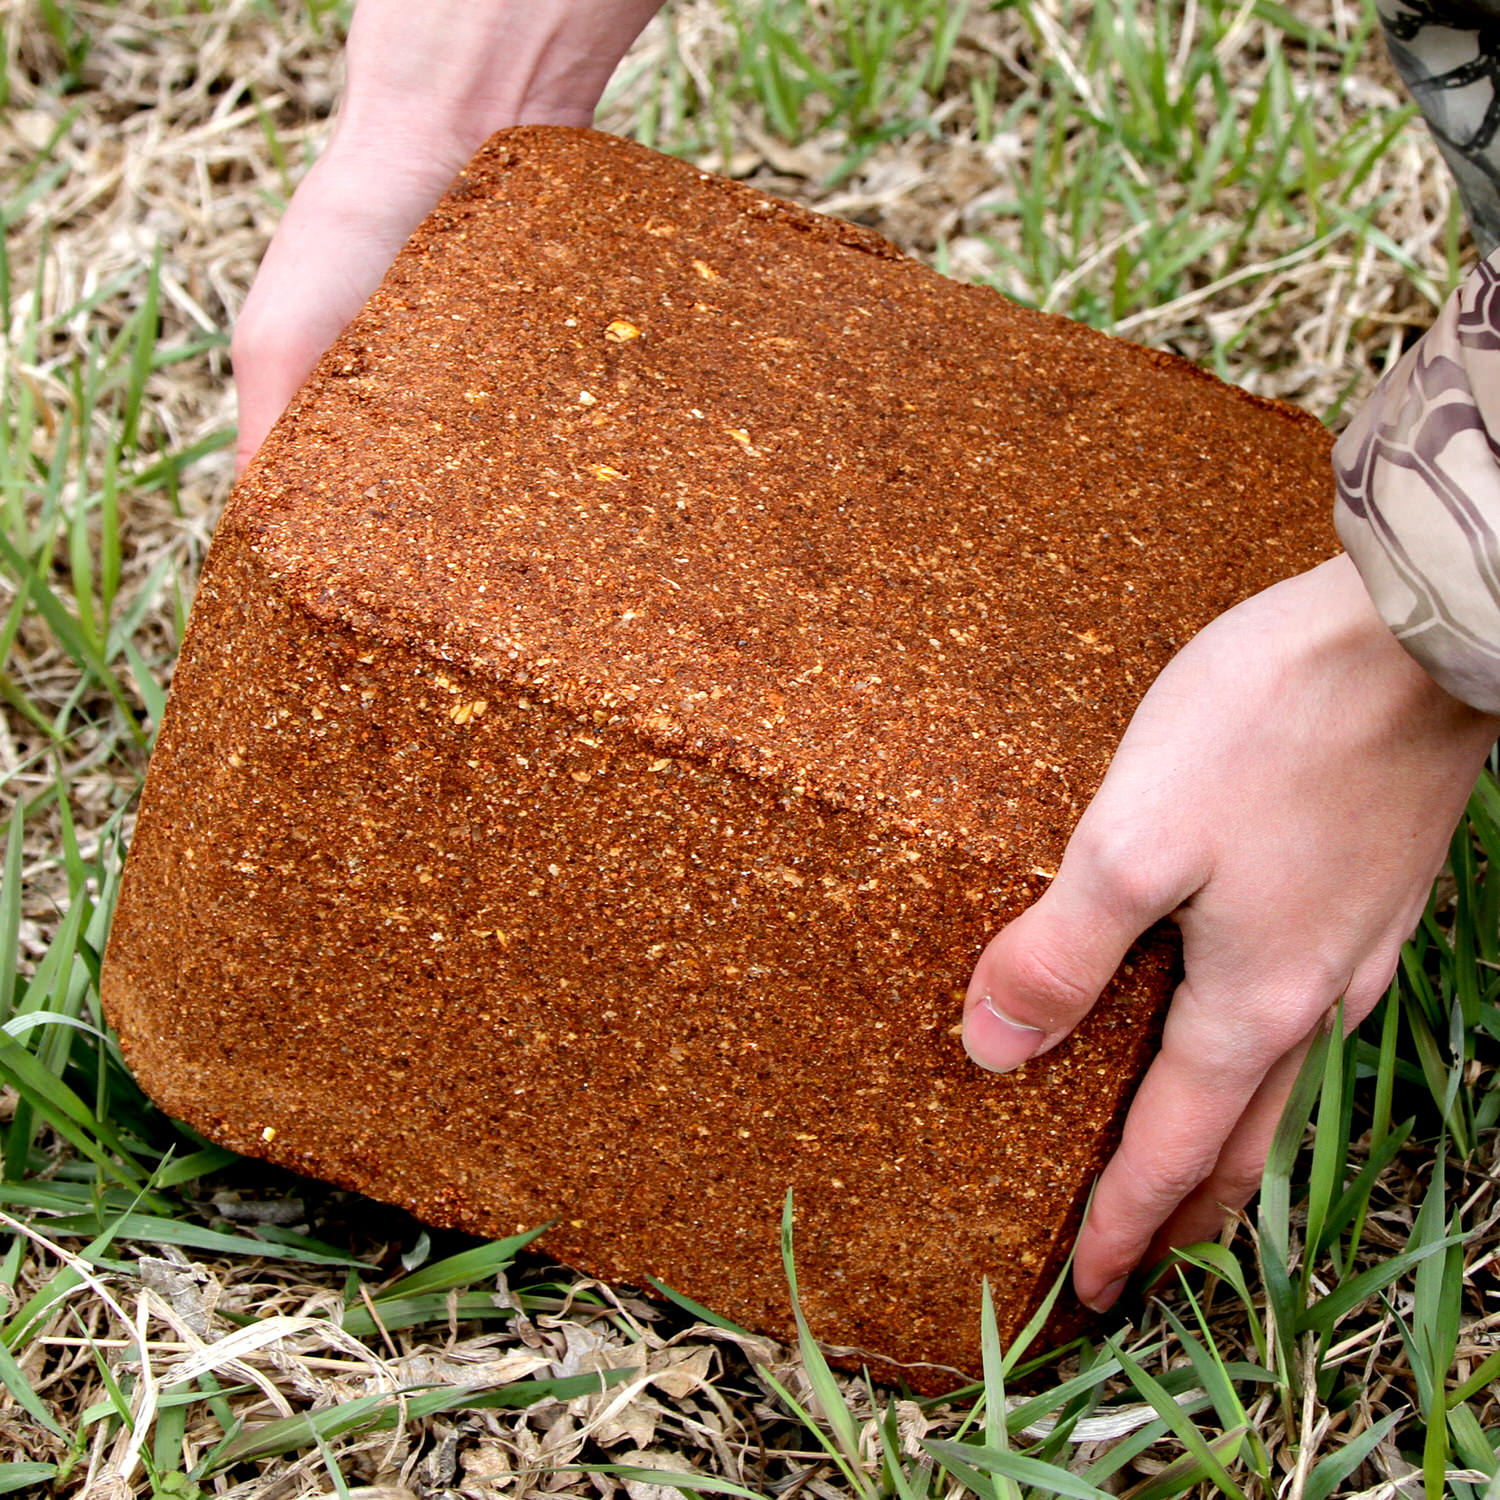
(1240, 182)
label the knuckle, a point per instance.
(1040, 989)
(1124, 1221)
(1235, 1176)
(1238, 1037)
(1370, 983)
(1323, 979)
(1176, 1174)
(1127, 869)
(1208, 1034)
(1236, 1184)
(1359, 1000)
(1277, 1029)
(1304, 1002)
(248, 343)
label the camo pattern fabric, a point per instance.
(1418, 470)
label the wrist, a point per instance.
(1363, 636)
(435, 79)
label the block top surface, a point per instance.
(625, 435)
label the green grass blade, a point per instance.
(189, 1168)
(1329, 1143)
(1049, 1479)
(1274, 1215)
(13, 1378)
(1176, 1419)
(1485, 1372)
(992, 1357)
(1186, 1473)
(825, 1388)
(1438, 1282)
(696, 1484)
(1216, 1260)
(963, 1471)
(1034, 1325)
(1354, 1199)
(1475, 1448)
(265, 1243)
(1331, 1471)
(142, 356)
(170, 1428)
(10, 911)
(382, 1410)
(142, 602)
(463, 1269)
(412, 1312)
(68, 632)
(1039, 1406)
(52, 1100)
(1276, 1183)
(854, 1473)
(24, 1476)
(892, 1465)
(697, 1309)
(1210, 1368)
(1324, 1315)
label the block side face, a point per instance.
(649, 440)
(388, 923)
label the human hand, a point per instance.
(426, 84)
(1285, 792)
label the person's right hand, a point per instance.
(1285, 793)
(427, 82)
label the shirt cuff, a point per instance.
(1418, 507)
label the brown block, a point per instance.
(666, 638)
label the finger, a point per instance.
(265, 384)
(1372, 979)
(289, 319)
(1236, 1175)
(343, 227)
(1043, 972)
(1217, 1052)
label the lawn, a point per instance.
(1243, 183)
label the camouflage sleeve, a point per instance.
(1418, 476)
(1448, 54)
(1418, 470)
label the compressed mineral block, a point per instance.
(665, 639)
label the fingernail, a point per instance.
(996, 1042)
(1108, 1297)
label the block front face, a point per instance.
(664, 641)
(500, 965)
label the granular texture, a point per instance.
(665, 639)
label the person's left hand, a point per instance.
(1285, 792)
(427, 83)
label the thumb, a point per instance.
(1042, 973)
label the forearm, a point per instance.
(1418, 470)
